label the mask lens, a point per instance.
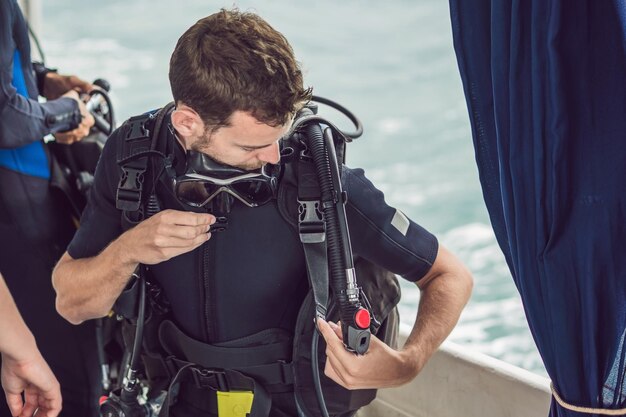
(195, 193)
(256, 191)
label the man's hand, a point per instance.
(87, 288)
(67, 138)
(165, 235)
(56, 85)
(35, 380)
(379, 367)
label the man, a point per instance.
(24, 371)
(237, 87)
(34, 226)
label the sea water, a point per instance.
(392, 64)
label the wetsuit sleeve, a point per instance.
(22, 119)
(383, 234)
(100, 223)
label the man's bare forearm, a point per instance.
(87, 288)
(442, 299)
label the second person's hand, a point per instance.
(30, 387)
(75, 135)
(56, 85)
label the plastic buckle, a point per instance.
(137, 127)
(311, 224)
(210, 378)
(132, 179)
(129, 189)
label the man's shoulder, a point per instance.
(129, 131)
(355, 179)
(110, 151)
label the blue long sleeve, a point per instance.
(23, 120)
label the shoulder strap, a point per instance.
(312, 231)
(141, 134)
(299, 185)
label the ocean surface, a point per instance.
(392, 64)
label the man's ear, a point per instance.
(187, 123)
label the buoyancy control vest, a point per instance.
(257, 364)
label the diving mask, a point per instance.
(205, 179)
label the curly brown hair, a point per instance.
(234, 60)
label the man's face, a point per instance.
(247, 143)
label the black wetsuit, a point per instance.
(34, 226)
(252, 276)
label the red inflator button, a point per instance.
(362, 318)
(102, 399)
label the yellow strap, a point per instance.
(234, 403)
(585, 410)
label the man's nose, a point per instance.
(270, 155)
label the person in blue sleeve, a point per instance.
(34, 225)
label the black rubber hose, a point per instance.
(104, 125)
(342, 220)
(333, 238)
(101, 354)
(316, 374)
(336, 252)
(346, 112)
(134, 360)
(336, 261)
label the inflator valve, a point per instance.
(362, 318)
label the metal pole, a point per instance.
(31, 9)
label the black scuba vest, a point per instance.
(278, 361)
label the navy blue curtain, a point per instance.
(545, 84)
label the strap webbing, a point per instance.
(133, 157)
(312, 230)
(264, 362)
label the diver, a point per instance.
(220, 243)
(34, 225)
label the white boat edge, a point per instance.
(460, 382)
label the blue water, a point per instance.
(392, 63)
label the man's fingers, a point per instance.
(81, 85)
(336, 328)
(331, 338)
(15, 403)
(73, 94)
(177, 242)
(65, 138)
(30, 405)
(187, 218)
(88, 121)
(185, 232)
(51, 407)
